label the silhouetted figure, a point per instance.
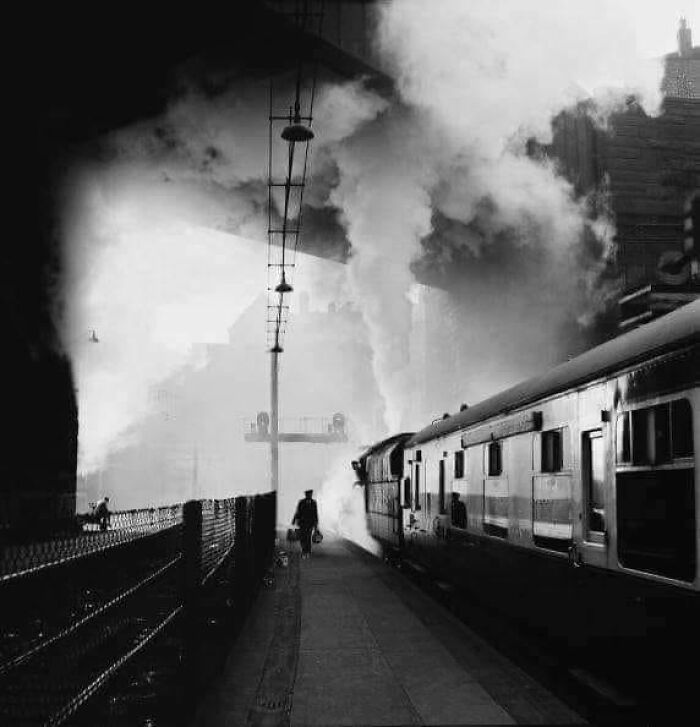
(306, 518)
(459, 512)
(102, 513)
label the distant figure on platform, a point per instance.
(459, 512)
(102, 513)
(306, 518)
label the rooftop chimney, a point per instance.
(685, 39)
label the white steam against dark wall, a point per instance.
(341, 504)
(162, 246)
(164, 235)
(383, 193)
(476, 80)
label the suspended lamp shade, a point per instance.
(276, 349)
(284, 286)
(297, 133)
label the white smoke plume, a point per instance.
(149, 281)
(148, 268)
(341, 505)
(491, 70)
(476, 81)
(443, 163)
(383, 193)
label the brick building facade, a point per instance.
(650, 169)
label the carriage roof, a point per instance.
(665, 334)
(385, 443)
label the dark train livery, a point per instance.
(568, 504)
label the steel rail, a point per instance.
(27, 655)
(76, 702)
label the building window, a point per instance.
(459, 465)
(495, 466)
(407, 491)
(552, 451)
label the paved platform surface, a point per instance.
(344, 639)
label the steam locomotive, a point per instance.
(567, 505)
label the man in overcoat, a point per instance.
(306, 518)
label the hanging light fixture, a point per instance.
(297, 133)
(276, 349)
(284, 286)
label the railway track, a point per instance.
(109, 627)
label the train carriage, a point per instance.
(570, 503)
(380, 471)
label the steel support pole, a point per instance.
(274, 421)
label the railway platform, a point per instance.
(343, 639)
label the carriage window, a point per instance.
(662, 433)
(459, 465)
(681, 428)
(656, 507)
(656, 521)
(495, 466)
(416, 504)
(396, 461)
(623, 437)
(594, 480)
(441, 487)
(458, 511)
(659, 433)
(641, 445)
(552, 451)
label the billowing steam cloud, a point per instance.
(341, 504)
(149, 269)
(438, 174)
(490, 71)
(147, 292)
(476, 80)
(383, 192)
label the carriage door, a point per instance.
(441, 488)
(417, 481)
(593, 480)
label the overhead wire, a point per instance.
(276, 322)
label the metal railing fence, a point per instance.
(125, 525)
(126, 626)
